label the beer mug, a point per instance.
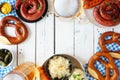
(25, 71)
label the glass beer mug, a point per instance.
(25, 71)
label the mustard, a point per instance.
(5, 8)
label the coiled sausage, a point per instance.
(31, 9)
(108, 14)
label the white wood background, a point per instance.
(54, 35)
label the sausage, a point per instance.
(34, 16)
(17, 4)
(86, 0)
(109, 10)
(43, 75)
(34, 6)
(92, 3)
(32, 9)
(103, 21)
(117, 2)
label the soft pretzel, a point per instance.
(20, 29)
(114, 38)
(110, 65)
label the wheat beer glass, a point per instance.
(25, 71)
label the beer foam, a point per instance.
(13, 77)
(66, 7)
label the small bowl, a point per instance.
(73, 64)
(6, 58)
(74, 15)
(5, 8)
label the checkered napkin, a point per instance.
(13, 12)
(98, 65)
(4, 71)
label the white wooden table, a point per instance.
(54, 35)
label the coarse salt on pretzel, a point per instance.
(114, 39)
(108, 67)
(20, 30)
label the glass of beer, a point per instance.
(25, 71)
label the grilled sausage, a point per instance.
(103, 21)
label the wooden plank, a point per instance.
(83, 40)
(45, 37)
(117, 29)
(64, 34)
(26, 50)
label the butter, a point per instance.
(5, 8)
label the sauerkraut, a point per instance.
(59, 67)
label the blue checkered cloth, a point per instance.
(4, 71)
(13, 12)
(98, 65)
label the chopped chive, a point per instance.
(107, 3)
(39, 7)
(115, 20)
(75, 75)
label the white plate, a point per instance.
(67, 8)
(89, 14)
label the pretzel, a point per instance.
(103, 42)
(20, 30)
(110, 65)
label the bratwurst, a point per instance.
(31, 9)
(107, 14)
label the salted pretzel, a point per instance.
(114, 38)
(20, 30)
(109, 66)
